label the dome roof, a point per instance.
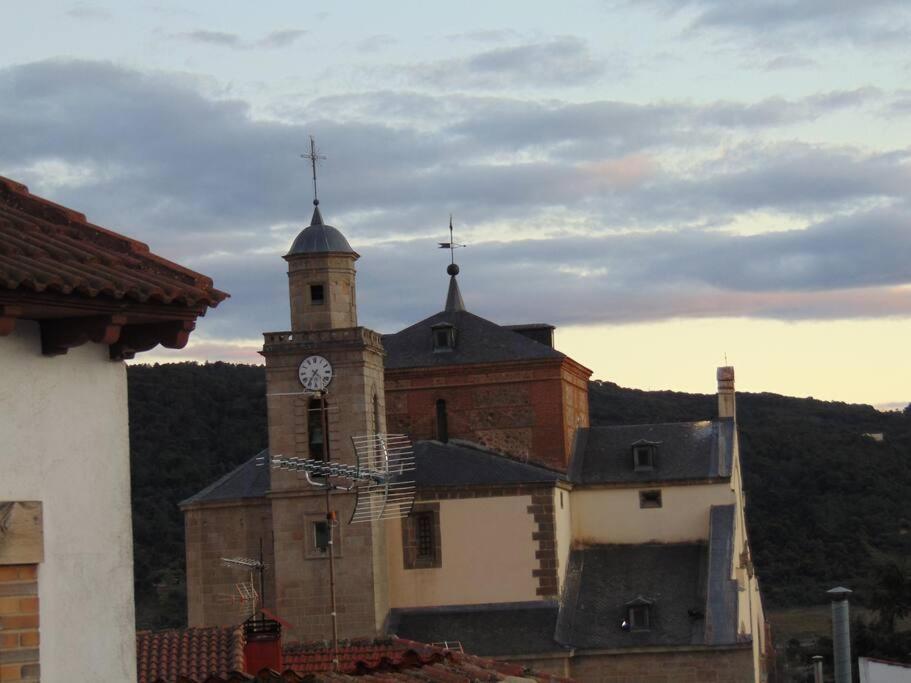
(318, 238)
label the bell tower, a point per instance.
(324, 385)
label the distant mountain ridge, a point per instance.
(824, 501)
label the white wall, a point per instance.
(613, 515)
(64, 441)
(563, 528)
(872, 671)
(487, 551)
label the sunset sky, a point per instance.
(670, 182)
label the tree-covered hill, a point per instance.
(825, 503)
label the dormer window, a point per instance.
(639, 614)
(443, 337)
(644, 456)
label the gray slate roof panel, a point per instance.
(487, 630)
(686, 451)
(250, 480)
(601, 580)
(461, 463)
(477, 341)
(721, 599)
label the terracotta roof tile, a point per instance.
(48, 247)
(195, 653)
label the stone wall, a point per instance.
(718, 665)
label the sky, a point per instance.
(674, 184)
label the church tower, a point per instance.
(324, 360)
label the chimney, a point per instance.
(727, 405)
(263, 648)
(841, 634)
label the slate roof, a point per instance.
(495, 630)
(319, 238)
(249, 480)
(721, 600)
(193, 652)
(685, 451)
(461, 463)
(45, 247)
(477, 341)
(601, 580)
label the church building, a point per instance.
(588, 552)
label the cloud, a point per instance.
(790, 61)
(275, 39)
(375, 43)
(603, 211)
(773, 22)
(88, 12)
(562, 61)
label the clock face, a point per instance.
(315, 373)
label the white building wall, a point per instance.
(64, 441)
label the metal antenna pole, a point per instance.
(262, 576)
(314, 156)
(330, 519)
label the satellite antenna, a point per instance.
(379, 479)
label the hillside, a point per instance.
(824, 502)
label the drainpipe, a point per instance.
(841, 634)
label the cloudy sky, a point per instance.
(670, 182)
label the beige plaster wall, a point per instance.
(613, 515)
(64, 441)
(476, 535)
(564, 531)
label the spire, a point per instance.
(454, 301)
(317, 216)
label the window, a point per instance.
(321, 536)
(561, 500)
(317, 295)
(650, 499)
(442, 421)
(644, 456)
(639, 617)
(443, 337)
(421, 537)
(315, 430)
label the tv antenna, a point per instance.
(245, 591)
(314, 157)
(452, 245)
(379, 479)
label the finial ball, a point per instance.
(316, 202)
(452, 269)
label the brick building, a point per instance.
(594, 552)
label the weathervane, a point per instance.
(451, 244)
(314, 157)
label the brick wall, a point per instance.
(528, 410)
(19, 623)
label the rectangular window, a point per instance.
(317, 295)
(421, 537)
(315, 430)
(321, 536)
(650, 499)
(639, 618)
(643, 458)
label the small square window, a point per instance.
(639, 618)
(317, 295)
(643, 457)
(650, 499)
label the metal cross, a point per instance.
(451, 245)
(314, 156)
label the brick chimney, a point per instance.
(263, 648)
(727, 404)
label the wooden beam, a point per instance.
(173, 334)
(8, 315)
(58, 335)
(21, 532)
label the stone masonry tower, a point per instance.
(325, 349)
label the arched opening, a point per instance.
(442, 421)
(318, 441)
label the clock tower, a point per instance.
(326, 356)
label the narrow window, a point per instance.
(442, 421)
(426, 548)
(639, 617)
(650, 499)
(561, 500)
(317, 295)
(321, 536)
(376, 415)
(315, 430)
(643, 457)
